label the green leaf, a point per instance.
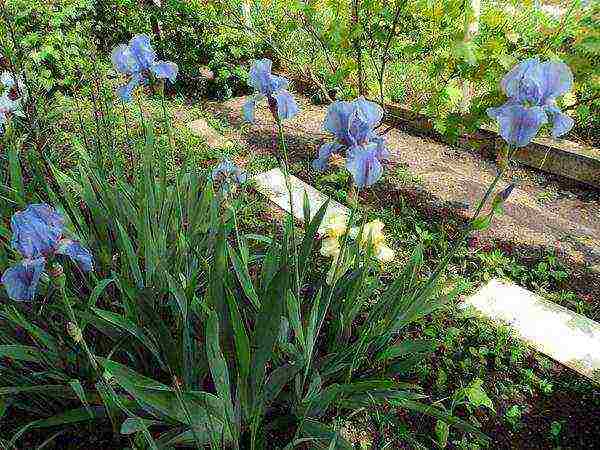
(243, 276)
(131, 328)
(481, 223)
(242, 343)
(477, 396)
(80, 392)
(442, 431)
(132, 259)
(133, 425)
(408, 347)
(269, 320)
(150, 392)
(309, 239)
(218, 368)
(27, 354)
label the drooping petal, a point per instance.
(142, 50)
(382, 150)
(165, 69)
(338, 119)
(125, 92)
(21, 280)
(36, 230)
(513, 80)
(561, 123)
(325, 151)
(556, 79)
(287, 107)
(123, 60)
(371, 113)
(279, 83)
(364, 166)
(248, 110)
(260, 76)
(518, 124)
(78, 253)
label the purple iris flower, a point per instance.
(274, 88)
(353, 125)
(532, 89)
(138, 60)
(38, 236)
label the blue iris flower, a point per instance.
(37, 234)
(532, 88)
(138, 60)
(228, 174)
(274, 88)
(353, 125)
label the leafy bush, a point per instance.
(52, 36)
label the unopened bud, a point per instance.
(75, 332)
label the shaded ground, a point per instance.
(544, 213)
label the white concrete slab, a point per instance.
(272, 185)
(567, 337)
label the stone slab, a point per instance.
(212, 137)
(567, 337)
(272, 185)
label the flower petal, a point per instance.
(36, 230)
(518, 124)
(248, 110)
(338, 119)
(165, 69)
(278, 83)
(287, 107)
(325, 151)
(123, 60)
(512, 81)
(371, 113)
(364, 166)
(561, 123)
(78, 253)
(125, 92)
(556, 79)
(260, 76)
(142, 50)
(21, 280)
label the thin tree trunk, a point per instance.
(358, 49)
(471, 29)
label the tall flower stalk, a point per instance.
(282, 106)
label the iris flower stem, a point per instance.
(465, 232)
(172, 148)
(73, 319)
(286, 176)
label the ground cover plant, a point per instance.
(198, 325)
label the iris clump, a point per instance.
(353, 125)
(37, 234)
(14, 95)
(532, 88)
(272, 87)
(228, 175)
(138, 61)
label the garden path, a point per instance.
(543, 213)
